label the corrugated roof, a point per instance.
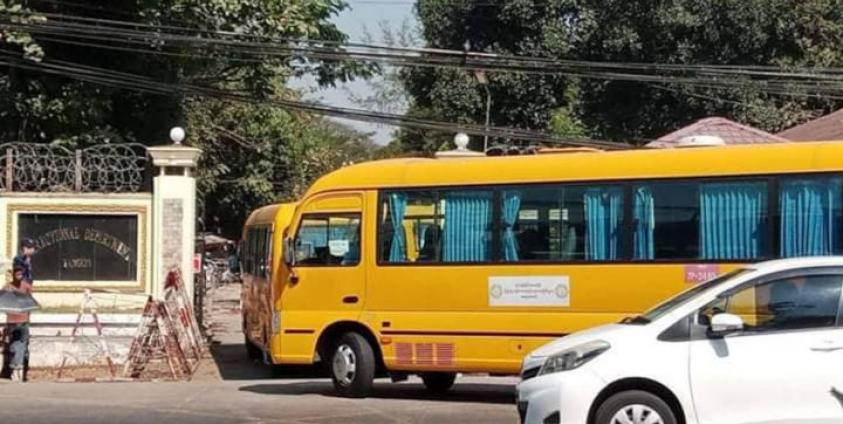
(730, 131)
(828, 127)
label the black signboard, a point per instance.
(82, 247)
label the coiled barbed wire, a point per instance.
(104, 168)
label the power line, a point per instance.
(801, 84)
(234, 38)
(236, 47)
(123, 80)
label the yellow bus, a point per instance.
(441, 266)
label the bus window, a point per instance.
(717, 220)
(329, 240)
(666, 221)
(811, 216)
(250, 242)
(562, 223)
(448, 226)
(410, 227)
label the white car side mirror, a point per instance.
(723, 324)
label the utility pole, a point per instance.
(480, 75)
(481, 78)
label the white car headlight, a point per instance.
(574, 357)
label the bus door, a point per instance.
(326, 282)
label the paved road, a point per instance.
(305, 401)
(230, 389)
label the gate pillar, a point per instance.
(173, 211)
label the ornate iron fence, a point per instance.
(104, 168)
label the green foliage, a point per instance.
(256, 155)
(524, 27)
(564, 124)
(788, 33)
(20, 15)
(253, 154)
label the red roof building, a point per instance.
(730, 132)
(826, 128)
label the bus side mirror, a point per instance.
(289, 252)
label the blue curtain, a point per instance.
(468, 216)
(809, 222)
(604, 215)
(731, 220)
(397, 208)
(644, 215)
(511, 206)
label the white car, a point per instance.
(760, 345)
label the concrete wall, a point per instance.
(51, 339)
(166, 231)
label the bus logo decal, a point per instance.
(545, 291)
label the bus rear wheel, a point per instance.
(438, 382)
(352, 366)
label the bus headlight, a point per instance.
(574, 357)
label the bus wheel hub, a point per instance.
(344, 365)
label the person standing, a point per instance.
(17, 328)
(24, 259)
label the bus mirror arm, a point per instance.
(289, 253)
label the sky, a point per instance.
(353, 21)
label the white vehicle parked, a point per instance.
(761, 344)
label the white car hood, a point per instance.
(604, 332)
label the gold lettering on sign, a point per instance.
(57, 236)
(76, 263)
(108, 241)
(92, 235)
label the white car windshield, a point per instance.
(680, 299)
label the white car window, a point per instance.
(787, 304)
(680, 299)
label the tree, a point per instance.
(253, 154)
(51, 108)
(786, 33)
(385, 90)
(524, 27)
(789, 33)
(270, 155)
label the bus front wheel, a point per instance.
(438, 382)
(352, 366)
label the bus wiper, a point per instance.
(638, 319)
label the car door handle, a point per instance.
(350, 299)
(828, 346)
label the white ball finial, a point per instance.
(177, 135)
(461, 140)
